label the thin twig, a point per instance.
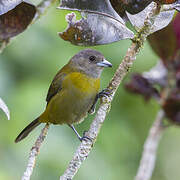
(148, 159)
(41, 9)
(34, 152)
(85, 147)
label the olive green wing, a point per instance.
(56, 85)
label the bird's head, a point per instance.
(89, 62)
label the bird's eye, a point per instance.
(92, 58)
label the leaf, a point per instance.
(4, 108)
(174, 4)
(132, 7)
(161, 20)
(166, 42)
(94, 30)
(140, 85)
(177, 5)
(165, 1)
(176, 28)
(172, 106)
(118, 6)
(100, 25)
(93, 6)
(15, 16)
(7, 5)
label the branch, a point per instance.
(41, 9)
(148, 159)
(34, 152)
(85, 147)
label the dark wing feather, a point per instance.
(56, 85)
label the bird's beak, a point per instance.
(104, 63)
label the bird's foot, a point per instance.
(104, 93)
(85, 138)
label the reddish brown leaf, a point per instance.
(16, 19)
(140, 85)
(118, 7)
(166, 42)
(176, 27)
(132, 6)
(172, 107)
(165, 1)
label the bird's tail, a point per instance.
(24, 133)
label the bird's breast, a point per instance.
(70, 105)
(80, 83)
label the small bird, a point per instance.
(73, 92)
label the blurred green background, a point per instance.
(27, 67)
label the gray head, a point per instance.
(89, 62)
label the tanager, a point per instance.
(73, 91)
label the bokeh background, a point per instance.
(27, 67)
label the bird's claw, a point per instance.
(84, 137)
(92, 110)
(104, 93)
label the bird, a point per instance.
(73, 92)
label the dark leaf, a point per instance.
(166, 42)
(140, 85)
(132, 6)
(118, 6)
(7, 5)
(15, 16)
(172, 107)
(178, 79)
(94, 30)
(176, 27)
(4, 108)
(165, 1)
(175, 65)
(161, 20)
(100, 6)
